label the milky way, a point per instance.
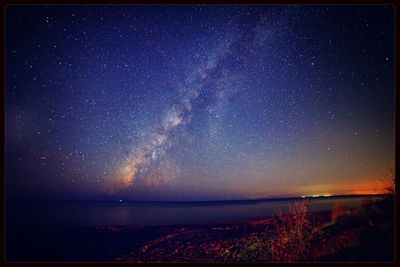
(198, 101)
(218, 66)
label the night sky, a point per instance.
(198, 102)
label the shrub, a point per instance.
(253, 248)
(387, 184)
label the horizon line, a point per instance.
(120, 200)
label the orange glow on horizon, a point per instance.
(365, 192)
(361, 188)
(366, 185)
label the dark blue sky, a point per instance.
(198, 102)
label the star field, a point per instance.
(198, 102)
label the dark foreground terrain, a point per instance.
(362, 234)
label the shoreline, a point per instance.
(112, 242)
(332, 235)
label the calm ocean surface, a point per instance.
(76, 213)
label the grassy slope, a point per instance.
(363, 234)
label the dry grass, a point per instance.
(294, 231)
(337, 211)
